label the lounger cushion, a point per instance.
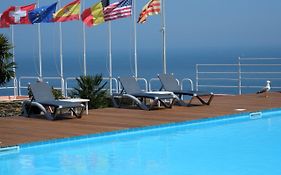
(60, 104)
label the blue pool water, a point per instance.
(225, 146)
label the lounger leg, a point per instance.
(180, 101)
(205, 102)
(164, 104)
(115, 104)
(142, 106)
(26, 107)
(74, 111)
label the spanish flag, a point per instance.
(68, 13)
(94, 15)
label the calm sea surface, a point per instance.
(180, 62)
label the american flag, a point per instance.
(121, 9)
(151, 8)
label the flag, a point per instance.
(94, 15)
(5, 19)
(105, 3)
(151, 8)
(68, 13)
(121, 9)
(3, 23)
(42, 14)
(18, 15)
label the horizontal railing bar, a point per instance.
(259, 58)
(260, 72)
(272, 87)
(55, 78)
(27, 77)
(231, 79)
(217, 72)
(217, 64)
(260, 78)
(8, 87)
(217, 86)
(260, 64)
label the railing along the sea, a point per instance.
(247, 76)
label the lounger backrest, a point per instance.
(130, 85)
(41, 91)
(169, 82)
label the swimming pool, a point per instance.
(238, 145)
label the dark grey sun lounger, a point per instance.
(131, 90)
(43, 99)
(169, 83)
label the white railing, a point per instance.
(217, 76)
(14, 86)
(145, 83)
(249, 73)
(261, 70)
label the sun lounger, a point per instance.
(44, 101)
(132, 91)
(169, 83)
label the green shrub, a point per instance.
(57, 93)
(7, 65)
(92, 87)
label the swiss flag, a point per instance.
(2, 23)
(17, 15)
(4, 19)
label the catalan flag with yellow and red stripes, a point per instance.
(151, 8)
(69, 12)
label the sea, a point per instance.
(181, 62)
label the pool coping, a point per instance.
(243, 115)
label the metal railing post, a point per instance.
(197, 76)
(239, 76)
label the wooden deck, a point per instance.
(18, 130)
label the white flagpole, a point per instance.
(39, 49)
(84, 46)
(164, 37)
(61, 56)
(110, 57)
(135, 39)
(14, 60)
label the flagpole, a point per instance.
(110, 57)
(84, 46)
(164, 37)
(39, 48)
(14, 60)
(61, 56)
(135, 39)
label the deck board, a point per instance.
(18, 130)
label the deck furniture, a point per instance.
(44, 101)
(79, 100)
(169, 83)
(132, 90)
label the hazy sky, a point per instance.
(201, 26)
(190, 24)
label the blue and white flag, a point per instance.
(42, 14)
